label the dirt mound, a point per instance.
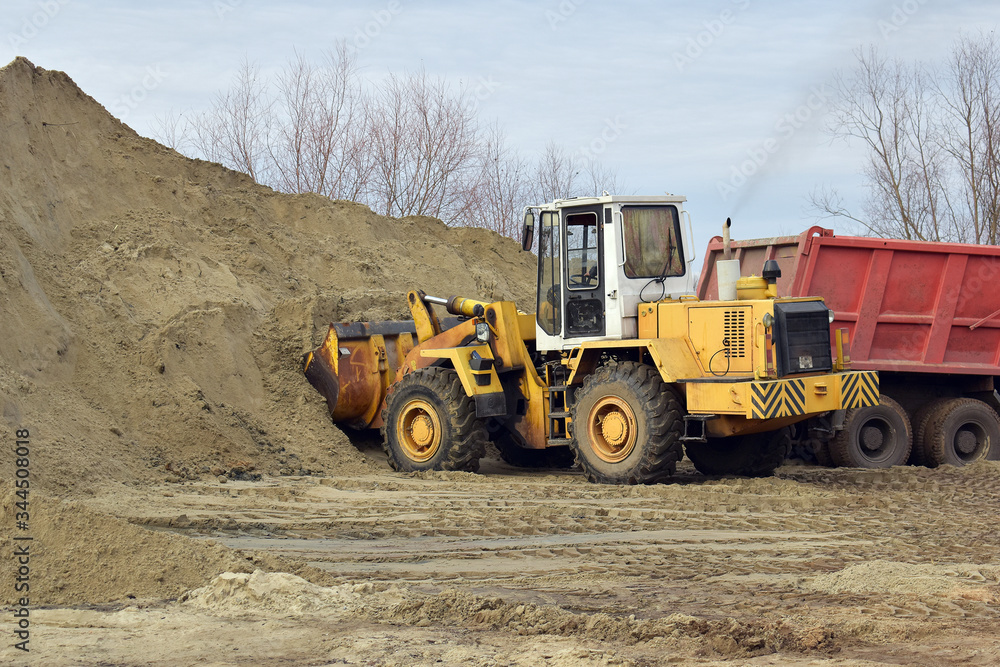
(263, 594)
(76, 555)
(156, 307)
(270, 592)
(971, 582)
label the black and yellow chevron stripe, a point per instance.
(777, 399)
(860, 389)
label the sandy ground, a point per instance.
(191, 502)
(812, 567)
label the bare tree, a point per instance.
(289, 145)
(236, 130)
(339, 135)
(407, 145)
(598, 178)
(502, 188)
(172, 130)
(969, 97)
(884, 104)
(932, 143)
(424, 141)
(556, 174)
(318, 145)
(560, 174)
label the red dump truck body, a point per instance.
(926, 316)
(909, 306)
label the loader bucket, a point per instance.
(355, 366)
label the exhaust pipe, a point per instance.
(728, 270)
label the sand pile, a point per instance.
(275, 592)
(263, 594)
(76, 555)
(968, 581)
(155, 308)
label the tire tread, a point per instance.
(463, 451)
(846, 454)
(663, 411)
(938, 449)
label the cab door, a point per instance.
(583, 272)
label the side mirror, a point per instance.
(528, 232)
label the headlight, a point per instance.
(768, 320)
(482, 332)
(832, 316)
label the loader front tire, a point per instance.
(430, 424)
(627, 425)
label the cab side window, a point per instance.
(581, 251)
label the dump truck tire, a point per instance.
(961, 431)
(821, 450)
(921, 420)
(627, 425)
(430, 424)
(509, 445)
(755, 455)
(878, 436)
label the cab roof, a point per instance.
(614, 199)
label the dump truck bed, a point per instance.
(908, 306)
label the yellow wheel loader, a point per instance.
(620, 369)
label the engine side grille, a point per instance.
(734, 330)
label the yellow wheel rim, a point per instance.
(419, 430)
(612, 429)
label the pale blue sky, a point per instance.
(686, 92)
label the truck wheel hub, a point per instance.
(872, 438)
(965, 441)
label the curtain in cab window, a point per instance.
(652, 241)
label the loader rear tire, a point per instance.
(754, 455)
(961, 431)
(513, 452)
(430, 424)
(878, 436)
(627, 425)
